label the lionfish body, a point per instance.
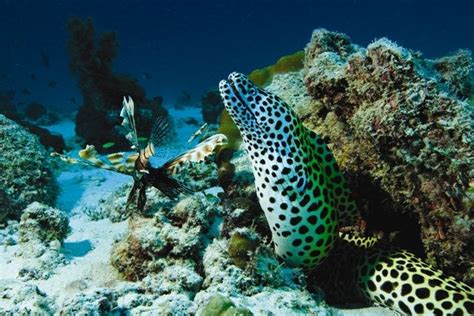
(138, 164)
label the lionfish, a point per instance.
(137, 164)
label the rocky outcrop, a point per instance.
(25, 173)
(401, 131)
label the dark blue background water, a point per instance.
(190, 45)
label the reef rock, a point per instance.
(175, 232)
(25, 173)
(400, 129)
(43, 223)
(41, 232)
(19, 298)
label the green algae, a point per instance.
(240, 246)
(263, 76)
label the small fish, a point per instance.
(25, 91)
(44, 60)
(197, 133)
(108, 145)
(73, 100)
(52, 84)
(147, 76)
(33, 77)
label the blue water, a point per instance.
(190, 45)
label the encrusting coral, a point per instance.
(25, 174)
(397, 123)
(43, 223)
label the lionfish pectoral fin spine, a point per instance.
(197, 133)
(128, 115)
(198, 153)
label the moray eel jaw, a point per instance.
(290, 185)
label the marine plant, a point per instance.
(307, 203)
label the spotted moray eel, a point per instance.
(306, 200)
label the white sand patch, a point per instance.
(88, 249)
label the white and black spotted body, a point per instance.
(305, 200)
(297, 180)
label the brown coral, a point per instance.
(398, 121)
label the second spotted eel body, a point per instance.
(306, 200)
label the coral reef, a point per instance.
(26, 176)
(241, 246)
(41, 232)
(35, 110)
(397, 124)
(176, 231)
(38, 114)
(102, 89)
(7, 105)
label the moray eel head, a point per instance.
(291, 184)
(257, 113)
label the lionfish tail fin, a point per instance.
(170, 187)
(127, 113)
(198, 153)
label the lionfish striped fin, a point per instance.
(119, 162)
(127, 113)
(160, 133)
(198, 153)
(197, 133)
(122, 162)
(90, 154)
(68, 159)
(90, 162)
